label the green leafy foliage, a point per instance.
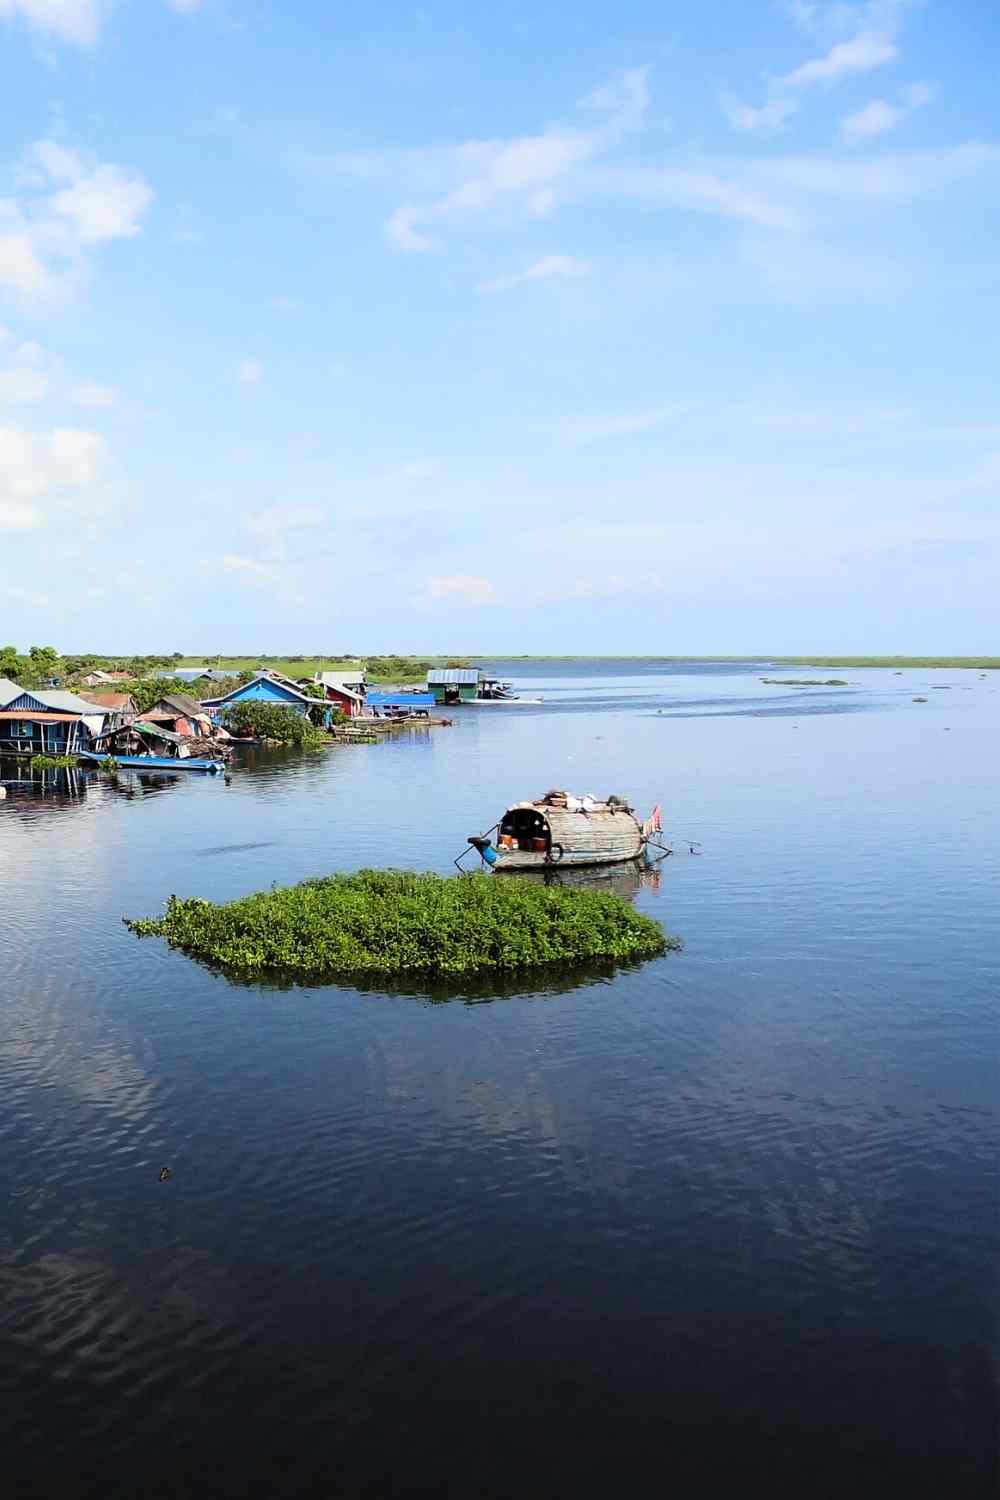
(270, 721)
(391, 922)
(53, 762)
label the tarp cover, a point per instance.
(401, 700)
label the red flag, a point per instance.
(654, 823)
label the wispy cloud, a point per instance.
(523, 175)
(873, 45)
(878, 116)
(595, 428)
(249, 373)
(232, 562)
(726, 191)
(540, 270)
(23, 384)
(94, 396)
(459, 588)
(73, 21)
(897, 175)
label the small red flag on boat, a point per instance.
(654, 823)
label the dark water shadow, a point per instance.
(542, 983)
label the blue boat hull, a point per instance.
(155, 762)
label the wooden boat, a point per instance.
(155, 762)
(560, 830)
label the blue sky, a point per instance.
(648, 328)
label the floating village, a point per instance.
(195, 727)
(183, 732)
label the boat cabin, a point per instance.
(563, 829)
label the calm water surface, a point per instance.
(731, 1217)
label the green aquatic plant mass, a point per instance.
(391, 922)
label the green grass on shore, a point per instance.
(394, 669)
(413, 668)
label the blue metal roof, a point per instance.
(401, 700)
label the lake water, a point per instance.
(728, 1218)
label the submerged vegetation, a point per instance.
(391, 922)
(804, 681)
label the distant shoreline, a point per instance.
(981, 663)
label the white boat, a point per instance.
(501, 702)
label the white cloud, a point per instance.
(21, 267)
(540, 270)
(24, 384)
(861, 54)
(874, 45)
(92, 395)
(41, 467)
(249, 373)
(879, 115)
(76, 21)
(874, 119)
(460, 588)
(68, 203)
(272, 525)
(593, 429)
(727, 192)
(101, 201)
(766, 117)
(522, 174)
(70, 20)
(233, 563)
(890, 176)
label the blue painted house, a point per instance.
(272, 688)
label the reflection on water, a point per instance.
(626, 879)
(727, 1213)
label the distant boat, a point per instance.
(560, 830)
(500, 702)
(496, 690)
(155, 762)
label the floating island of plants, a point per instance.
(393, 923)
(804, 681)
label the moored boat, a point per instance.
(154, 762)
(561, 830)
(502, 702)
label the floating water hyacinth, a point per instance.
(391, 922)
